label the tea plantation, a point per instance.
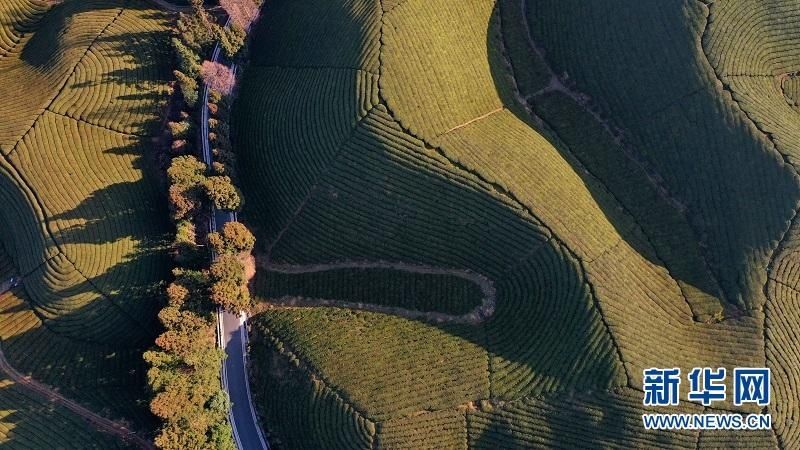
(624, 174)
(84, 85)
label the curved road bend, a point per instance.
(232, 331)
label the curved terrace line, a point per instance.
(50, 395)
(477, 315)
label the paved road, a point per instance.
(246, 431)
(233, 332)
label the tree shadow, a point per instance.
(387, 199)
(32, 422)
(116, 96)
(106, 377)
(679, 179)
(398, 200)
(46, 45)
(92, 274)
(641, 211)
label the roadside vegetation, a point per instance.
(185, 364)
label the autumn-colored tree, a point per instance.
(230, 296)
(177, 295)
(238, 237)
(242, 12)
(180, 130)
(227, 268)
(234, 239)
(183, 202)
(218, 168)
(222, 193)
(218, 76)
(229, 289)
(186, 171)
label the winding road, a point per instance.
(232, 329)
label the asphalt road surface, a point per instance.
(246, 431)
(233, 333)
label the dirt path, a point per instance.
(95, 420)
(477, 315)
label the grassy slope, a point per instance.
(83, 210)
(609, 252)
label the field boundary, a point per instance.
(478, 314)
(97, 421)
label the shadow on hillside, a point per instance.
(108, 378)
(137, 79)
(621, 190)
(545, 334)
(730, 234)
(30, 421)
(94, 329)
(381, 208)
(103, 302)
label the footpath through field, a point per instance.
(477, 315)
(97, 421)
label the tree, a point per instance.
(189, 88)
(222, 193)
(228, 268)
(179, 146)
(186, 171)
(234, 239)
(184, 202)
(222, 437)
(188, 60)
(231, 39)
(218, 77)
(242, 12)
(185, 249)
(177, 295)
(229, 289)
(230, 296)
(238, 237)
(195, 30)
(180, 130)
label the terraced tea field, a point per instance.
(84, 84)
(29, 422)
(624, 175)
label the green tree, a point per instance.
(188, 87)
(188, 59)
(231, 39)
